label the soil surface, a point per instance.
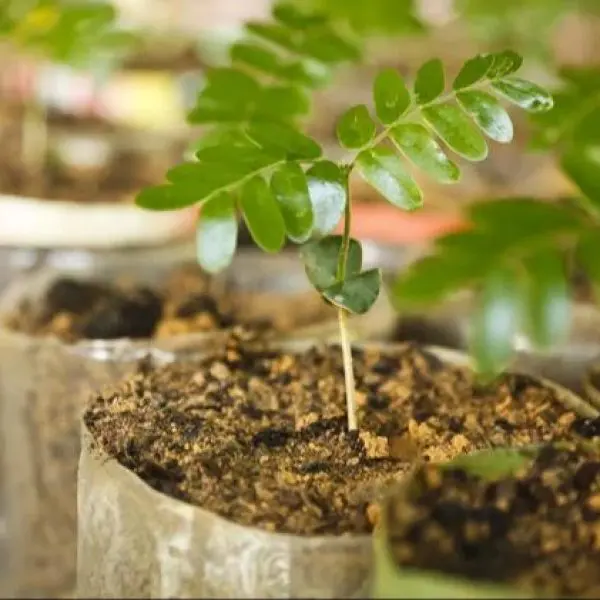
(538, 530)
(260, 436)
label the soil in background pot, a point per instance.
(259, 436)
(537, 530)
(46, 377)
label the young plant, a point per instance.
(82, 35)
(274, 175)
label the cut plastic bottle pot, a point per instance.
(44, 385)
(136, 542)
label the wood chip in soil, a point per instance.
(260, 436)
(188, 302)
(537, 530)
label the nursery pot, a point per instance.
(44, 383)
(403, 557)
(137, 541)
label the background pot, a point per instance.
(45, 382)
(391, 581)
(136, 542)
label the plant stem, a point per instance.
(342, 318)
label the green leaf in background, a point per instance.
(505, 63)
(488, 113)
(256, 56)
(357, 293)
(391, 96)
(282, 137)
(328, 190)
(496, 321)
(273, 33)
(289, 186)
(456, 130)
(167, 197)
(588, 253)
(548, 311)
(292, 16)
(355, 128)
(474, 70)
(283, 101)
(430, 81)
(421, 148)
(243, 158)
(324, 45)
(262, 215)
(527, 95)
(383, 169)
(229, 96)
(321, 259)
(216, 233)
(582, 165)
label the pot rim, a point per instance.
(134, 482)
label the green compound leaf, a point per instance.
(456, 130)
(496, 321)
(355, 128)
(548, 306)
(474, 70)
(262, 215)
(489, 114)
(321, 259)
(381, 168)
(527, 95)
(422, 149)
(391, 96)
(289, 186)
(216, 233)
(430, 81)
(357, 293)
(328, 190)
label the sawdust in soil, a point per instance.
(538, 530)
(260, 436)
(188, 302)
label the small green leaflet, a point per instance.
(456, 130)
(167, 197)
(291, 16)
(275, 33)
(216, 234)
(525, 94)
(488, 113)
(391, 96)
(355, 128)
(493, 464)
(582, 165)
(430, 81)
(289, 186)
(357, 293)
(327, 187)
(505, 63)
(381, 168)
(283, 138)
(321, 260)
(474, 70)
(421, 148)
(262, 215)
(326, 46)
(548, 306)
(498, 314)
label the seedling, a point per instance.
(263, 166)
(81, 35)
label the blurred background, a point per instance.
(108, 133)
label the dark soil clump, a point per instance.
(537, 530)
(73, 309)
(260, 436)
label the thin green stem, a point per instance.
(350, 384)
